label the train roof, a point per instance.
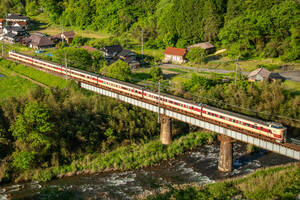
(238, 115)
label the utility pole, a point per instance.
(236, 67)
(2, 48)
(66, 66)
(62, 32)
(158, 119)
(142, 45)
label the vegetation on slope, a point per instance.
(246, 28)
(274, 183)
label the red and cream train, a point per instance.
(270, 129)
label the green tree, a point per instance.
(33, 127)
(119, 70)
(196, 55)
(76, 57)
(156, 73)
(23, 160)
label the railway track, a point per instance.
(291, 143)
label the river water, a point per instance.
(198, 166)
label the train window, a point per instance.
(254, 127)
(247, 124)
(233, 120)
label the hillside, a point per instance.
(247, 28)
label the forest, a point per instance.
(254, 28)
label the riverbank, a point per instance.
(280, 182)
(124, 158)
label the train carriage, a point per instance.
(269, 129)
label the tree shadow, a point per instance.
(213, 58)
(37, 25)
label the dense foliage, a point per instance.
(262, 100)
(247, 28)
(42, 130)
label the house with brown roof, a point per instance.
(38, 41)
(66, 36)
(175, 55)
(23, 25)
(2, 23)
(262, 74)
(208, 47)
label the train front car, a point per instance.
(279, 131)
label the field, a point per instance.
(44, 26)
(36, 75)
(13, 86)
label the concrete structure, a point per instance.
(281, 148)
(166, 130)
(174, 55)
(225, 156)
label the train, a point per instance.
(271, 130)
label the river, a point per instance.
(198, 166)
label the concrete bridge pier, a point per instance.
(165, 130)
(225, 156)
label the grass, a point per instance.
(39, 76)
(13, 86)
(45, 26)
(123, 158)
(292, 85)
(281, 182)
(226, 63)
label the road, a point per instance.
(289, 75)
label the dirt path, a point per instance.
(289, 75)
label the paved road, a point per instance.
(289, 75)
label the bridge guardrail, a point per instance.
(294, 141)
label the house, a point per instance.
(126, 54)
(2, 23)
(261, 74)
(111, 51)
(89, 49)
(208, 47)
(21, 25)
(15, 30)
(66, 36)
(13, 18)
(132, 62)
(38, 41)
(10, 38)
(130, 58)
(175, 55)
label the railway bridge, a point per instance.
(227, 134)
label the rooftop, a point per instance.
(16, 17)
(261, 71)
(175, 51)
(203, 45)
(90, 49)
